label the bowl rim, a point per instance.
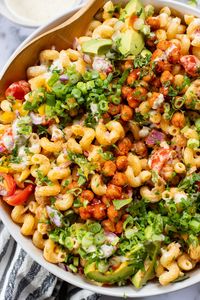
(151, 289)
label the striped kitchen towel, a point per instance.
(21, 278)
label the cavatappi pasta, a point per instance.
(100, 151)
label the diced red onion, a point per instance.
(87, 58)
(36, 119)
(111, 237)
(155, 137)
(76, 44)
(2, 148)
(54, 216)
(62, 266)
(64, 78)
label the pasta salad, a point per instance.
(99, 148)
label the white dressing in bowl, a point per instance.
(38, 12)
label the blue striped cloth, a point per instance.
(21, 278)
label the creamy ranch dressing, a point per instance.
(38, 11)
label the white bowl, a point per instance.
(152, 288)
(9, 12)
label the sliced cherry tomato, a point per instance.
(7, 185)
(18, 89)
(20, 196)
(191, 64)
(159, 158)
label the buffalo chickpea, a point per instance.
(128, 65)
(166, 78)
(105, 200)
(119, 227)
(140, 148)
(122, 162)
(132, 102)
(133, 76)
(178, 120)
(126, 113)
(109, 168)
(113, 214)
(148, 77)
(87, 195)
(154, 97)
(99, 211)
(153, 22)
(84, 213)
(124, 146)
(114, 109)
(113, 191)
(126, 90)
(119, 179)
(164, 90)
(139, 93)
(108, 225)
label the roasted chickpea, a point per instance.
(140, 148)
(112, 213)
(128, 64)
(119, 179)
(87, 195)
(72, 185)
(84, 213)
(114, 109)
(108, 225)
(164, 90)
(133, 76)
(153, 98)
(166, 78)
(132, 102)
(122, 163)
(99, 211)
(124, 146)
(139, 93)
(106, 118)
(126, 90)
(119, 227)
(153, 22)
(126, 113)
(113, 191)
(105, 200)
(178, 120)
(109, 168)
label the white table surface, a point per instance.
(11, 35)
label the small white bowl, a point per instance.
(152, 288)
(7, 10)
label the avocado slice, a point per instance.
(141, 277)
(133, 7)
(96, 46)
(123, 272)
(131, 42)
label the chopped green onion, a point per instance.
(103, 105)
(87, 240)
(69, 243)
(115, 100)
(178, 103)
(99, 239)
(118, 204)
(102, 266)
(194, 225)
(94, 227)
(197, 124)
(76, 93)
(193, 143)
